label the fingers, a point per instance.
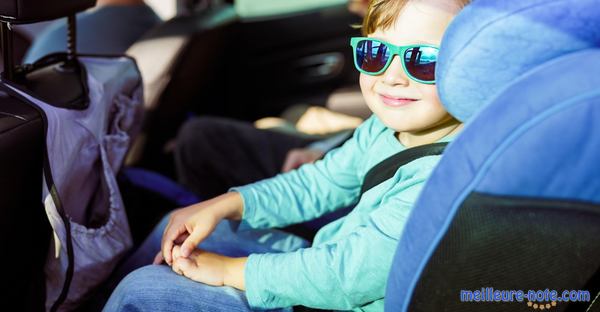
(176, 252)
(181, 238)
(163, 239)
(198, 235)
(290, 161)
(158, 259)
(176, 266)
(298, 157)
(171, 235)
(316, 155)
(183, 266)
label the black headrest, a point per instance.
(29, 11)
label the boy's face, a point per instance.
(401, 103)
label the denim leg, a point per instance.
(229, 241)
(157, 288)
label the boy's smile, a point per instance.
(396, 101)
(411, 108)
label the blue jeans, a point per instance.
(158, 288)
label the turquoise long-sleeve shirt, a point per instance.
(348, 264)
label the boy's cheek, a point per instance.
(430, 93)
(361, 83)
(367, 83)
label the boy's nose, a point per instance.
(395, 75)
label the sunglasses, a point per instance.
(373, 57)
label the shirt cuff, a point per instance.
(252, 282)
(258, 277)
(249, 211)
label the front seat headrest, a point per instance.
(491, 43)
(29, 11)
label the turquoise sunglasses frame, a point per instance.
(394, 50)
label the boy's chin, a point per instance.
(395, 123)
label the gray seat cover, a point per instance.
(85, 150)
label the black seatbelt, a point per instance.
(378, 174)
(387, 168)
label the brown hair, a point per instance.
(383, 14)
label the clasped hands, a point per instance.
(187, 228)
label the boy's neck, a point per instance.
(431, 135)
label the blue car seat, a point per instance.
(515, 202)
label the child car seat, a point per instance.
(514, 204)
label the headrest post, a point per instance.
(71, 38)
(7, 50)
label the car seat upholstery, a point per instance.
(514, 204)
(175, 65)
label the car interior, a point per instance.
(513, 204)
(252, 67)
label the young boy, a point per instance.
(347, 266)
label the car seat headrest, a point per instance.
(492, 43)
(29, 11)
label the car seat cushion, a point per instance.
(505, 39)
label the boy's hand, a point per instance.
(300, 156)
(191, 225)
(209, 268)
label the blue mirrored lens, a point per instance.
(371, 56)
(420, 62)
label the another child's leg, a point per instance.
(157, 288)
(213, 154)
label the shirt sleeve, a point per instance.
(341, 275)
(313, 189)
